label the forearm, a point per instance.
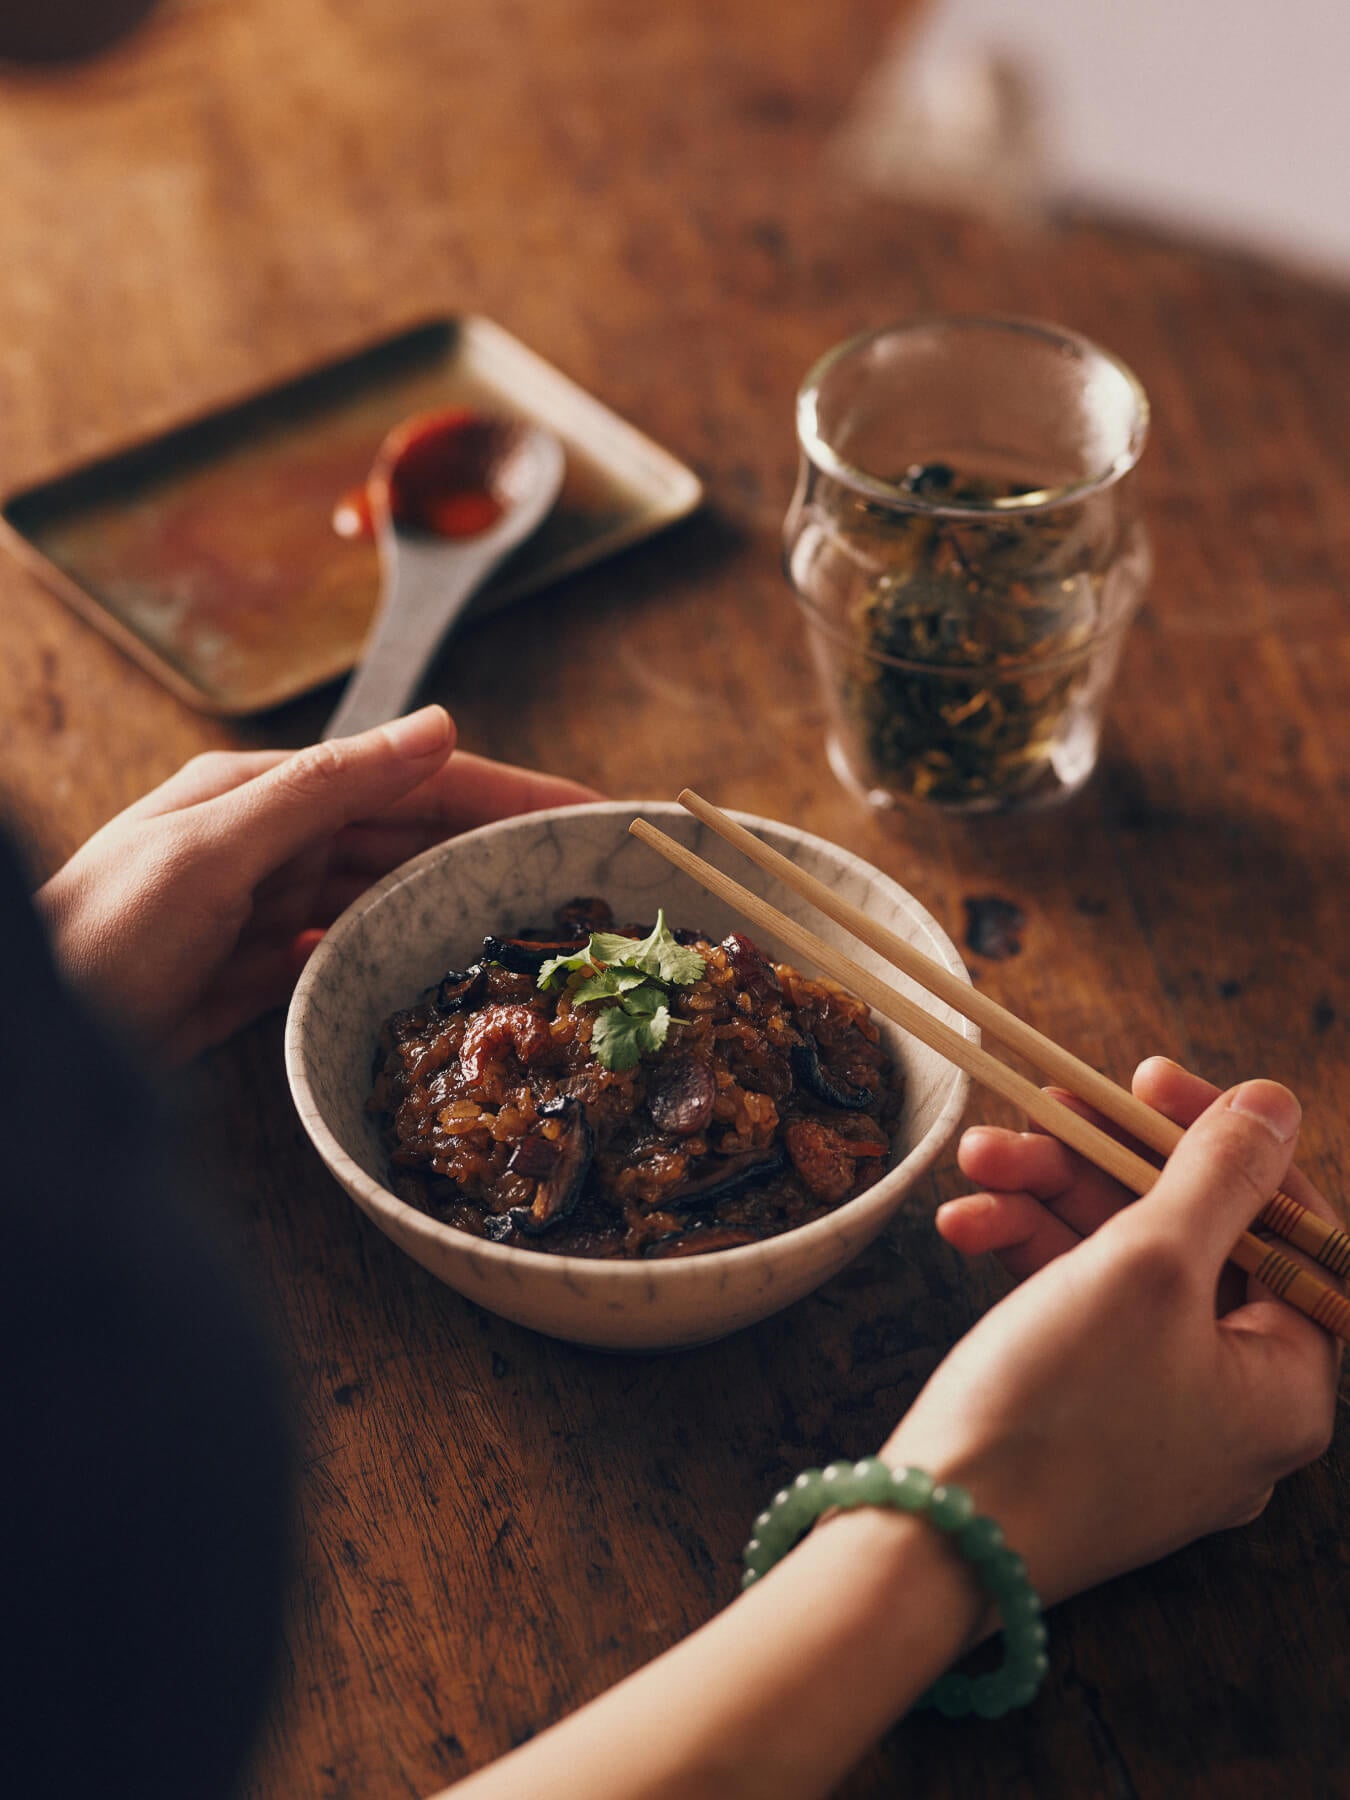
(780, 1694)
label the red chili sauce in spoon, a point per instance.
(436, 471)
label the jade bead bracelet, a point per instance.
(1001, 1571)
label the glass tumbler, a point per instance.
(964, 548)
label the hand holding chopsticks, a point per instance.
(1283, 1276)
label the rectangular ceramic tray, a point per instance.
(208, 554)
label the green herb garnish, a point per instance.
(632, 978)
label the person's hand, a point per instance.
(1105, 1412)
(191, 913)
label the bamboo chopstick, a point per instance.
(1281, 1215)
(1284, 1277)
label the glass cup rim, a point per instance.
(822, 454)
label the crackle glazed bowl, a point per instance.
(432, 915)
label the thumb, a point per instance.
(1226, 1167)
(328, 785)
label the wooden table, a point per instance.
(493, 1527)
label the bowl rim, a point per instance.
(375, 1199)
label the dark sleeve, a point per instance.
(143, 1463)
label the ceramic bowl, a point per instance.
(431, 915)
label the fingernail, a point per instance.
(419, 733)
(970, 1206)
(1273, 1105)
(974, 1133)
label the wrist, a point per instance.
(903, 1553)
(877, 1606)
(1010, 1481)
(978, 1542)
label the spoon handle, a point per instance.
(428, 581)
(423, 599)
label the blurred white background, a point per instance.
(1226, 117)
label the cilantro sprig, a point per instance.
(631, 978)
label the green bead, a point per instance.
(783, 1535)
(793, 1510)
(950, 1696)
(1019, 1608)
(988, 1696)
(1004, 1573)
(748, 1579)
(1031, 1667)
(758, 1556)
(911, 1489)
(1024, 1659)
(775, 1526)
(980, 1539)
(774, 1543)
(950, 1508)
(833, 1476)
(869, 1484)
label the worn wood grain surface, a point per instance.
(492, 1527)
